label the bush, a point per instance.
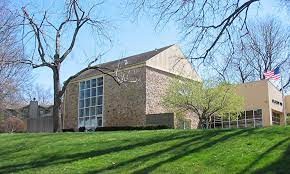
(68, 130)
(131, 128)
(12, 124)
(82, 129)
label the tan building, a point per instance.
(96, 100)
(263, 106)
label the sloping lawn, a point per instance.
(264, 150)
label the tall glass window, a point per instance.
(91, 103)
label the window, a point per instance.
(91, 103)
(288, 119)
(258, 118)
(251, 118)
(275, 118)
(242, 120)
(226, 121)
(218, 122)
(233, 120)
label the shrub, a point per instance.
(68, 130)
(12, 124)
(131, 128)
(82, 129)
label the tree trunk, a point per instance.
(201, 122)
(56, 98)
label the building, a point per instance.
(263, 107)
(94, 99)
(39, 117)
(35, 117)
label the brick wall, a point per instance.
(70, 106)
(157, 82)
(125, 103)
(129, 103)
(163, 119)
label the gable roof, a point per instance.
(135, 59)
(125, 62)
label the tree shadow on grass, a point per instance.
(283, 163)
(63, 159)
(149, 155)
(280, 166)
(20, 142)
(181, 146)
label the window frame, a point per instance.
(96, 116)
(226, 121)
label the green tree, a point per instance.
(205, 99)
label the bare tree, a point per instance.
(266, 47)
(263, 49)
(50, 37)
(205, 24)
(43, 95)
(14, 75)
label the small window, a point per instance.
(93, 111)
(100, 90)
(81, 122)
(82, 94)
(100, 100)
(100, 81)
(94, 83)
(87, 111)
(99, 110)
(88, 121)
(258, 114)
(81, 113)
(87, 94)
(94, 92)
(93, 101)
(275, 118)
(81, 103)
(82, 85)
(87, 103)
(93, 121)
(288, 119)
(249, 114)
(100, 121)
(88, 84)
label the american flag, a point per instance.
(275, 74)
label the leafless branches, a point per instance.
(55, 39)
(41, 94)
(13, 75)
(205, 24)
(264, 48)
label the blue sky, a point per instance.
(129, 37)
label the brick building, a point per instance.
(96, 100)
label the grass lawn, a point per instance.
(265, 150)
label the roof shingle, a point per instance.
(125, 62)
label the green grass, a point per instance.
(264, 150)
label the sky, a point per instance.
(128, 36)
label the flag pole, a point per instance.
(283, 100)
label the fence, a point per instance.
(40, 124)
(40, 118)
